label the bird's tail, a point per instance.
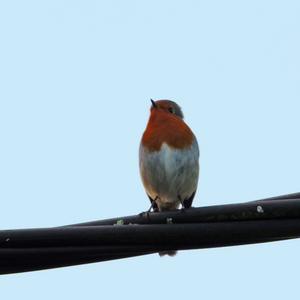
(169, 253)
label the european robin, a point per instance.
(169, 158)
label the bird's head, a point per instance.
(167, 106)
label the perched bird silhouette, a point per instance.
(169, 158)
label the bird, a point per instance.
(168, 159)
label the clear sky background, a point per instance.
(75, 83)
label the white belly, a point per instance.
(170, 175)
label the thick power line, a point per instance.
(266, 220)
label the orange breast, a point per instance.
(164, 127)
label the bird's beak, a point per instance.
(153, 103)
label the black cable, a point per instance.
(215, 226)
(271, 208)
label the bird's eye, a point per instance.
(171, 110)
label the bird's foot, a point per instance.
(182, 209)
(145, 214)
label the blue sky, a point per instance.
(76, 78)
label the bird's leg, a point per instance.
(153, 207)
